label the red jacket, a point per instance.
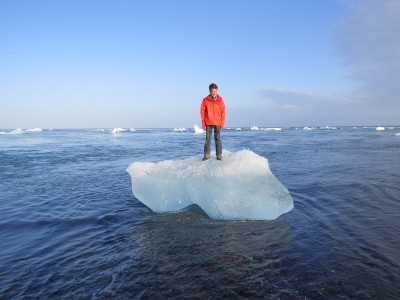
(212, 111)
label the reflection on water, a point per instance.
(189, 253)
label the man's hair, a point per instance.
(213, 86)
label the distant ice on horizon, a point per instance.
(272, 129)
(21, 131)
(197, 129)
(34, 130)
(15, 131)
(118, 130)
(266, 128)
(181, 129)
(240, 187)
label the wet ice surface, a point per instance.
(240, 187)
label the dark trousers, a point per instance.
(218, 142)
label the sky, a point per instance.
(141, 64)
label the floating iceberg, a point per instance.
(328, 128)
(118, 130)
(34, 130)
(272, 129)
(16, 131)
(197, 129)
(380, 128)
(181, 129)
(240, 187)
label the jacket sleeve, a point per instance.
(223, 115)
(202, 113)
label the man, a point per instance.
(212, 113)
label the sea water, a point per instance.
(70, 226)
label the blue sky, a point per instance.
(74, 64)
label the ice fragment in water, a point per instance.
(240, 187)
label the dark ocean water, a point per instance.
(71, 228)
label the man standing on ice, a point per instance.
(212, 113)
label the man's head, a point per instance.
(213, 90)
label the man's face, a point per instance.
(214, 92)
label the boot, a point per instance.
(206, 156)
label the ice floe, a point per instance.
(240, 187)
(197, 129)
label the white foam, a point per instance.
(132, 129)
(380, 128)
(308, 128)
(197, 129)
(240, 187)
